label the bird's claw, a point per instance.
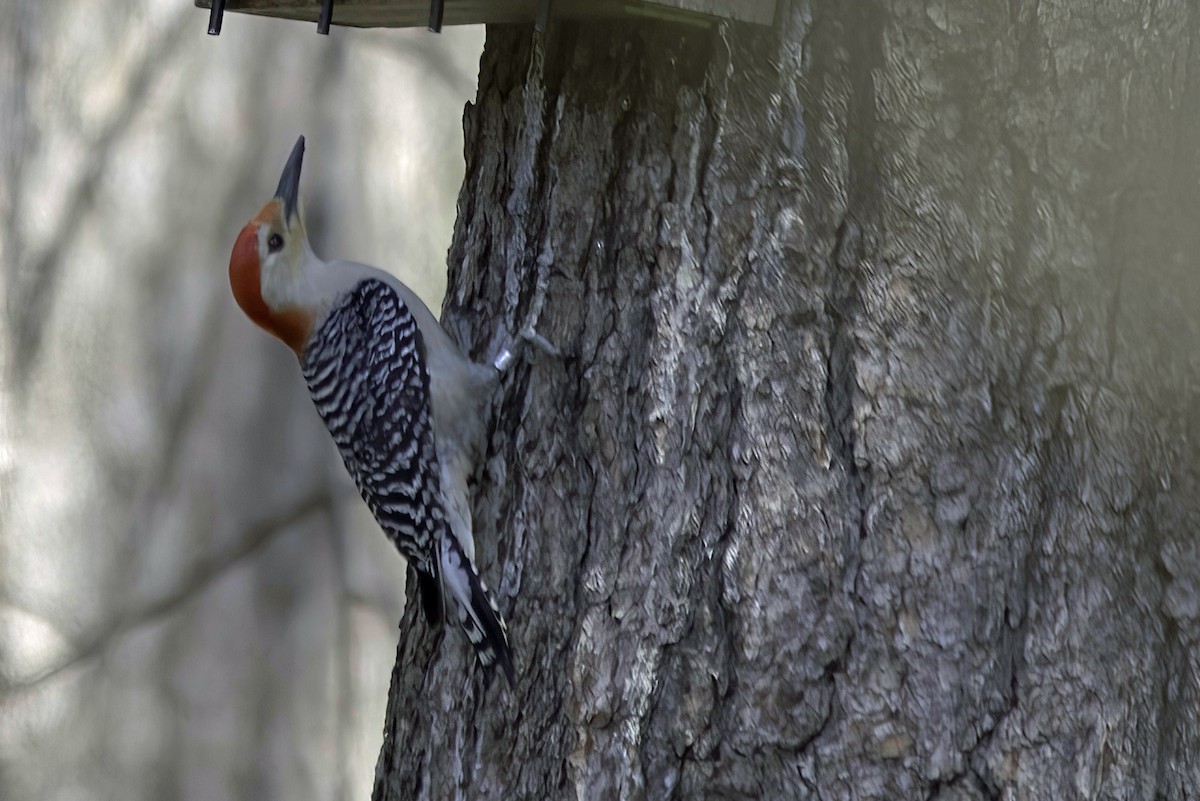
(508, 354)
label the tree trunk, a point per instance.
(869, 467)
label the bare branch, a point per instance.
(196, 582)
(18, 134)
(31, 307)
(158, 481)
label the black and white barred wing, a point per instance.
(367, 373)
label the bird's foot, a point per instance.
(508, 353)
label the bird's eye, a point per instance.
(275, 243)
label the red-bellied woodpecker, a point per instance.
(405, 407)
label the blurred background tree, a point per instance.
(193, 602)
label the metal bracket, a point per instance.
(436, 10)
(215, 16)
(326, 17)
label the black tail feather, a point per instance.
(495, 636)
(429, 587)
(478, 615)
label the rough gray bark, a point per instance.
(869, 468)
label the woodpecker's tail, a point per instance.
(430, 588)
(478, 614)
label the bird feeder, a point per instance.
(434, 13)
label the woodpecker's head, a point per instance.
(271, 267)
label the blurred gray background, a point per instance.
(194, 604)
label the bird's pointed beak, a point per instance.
(288, 193)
